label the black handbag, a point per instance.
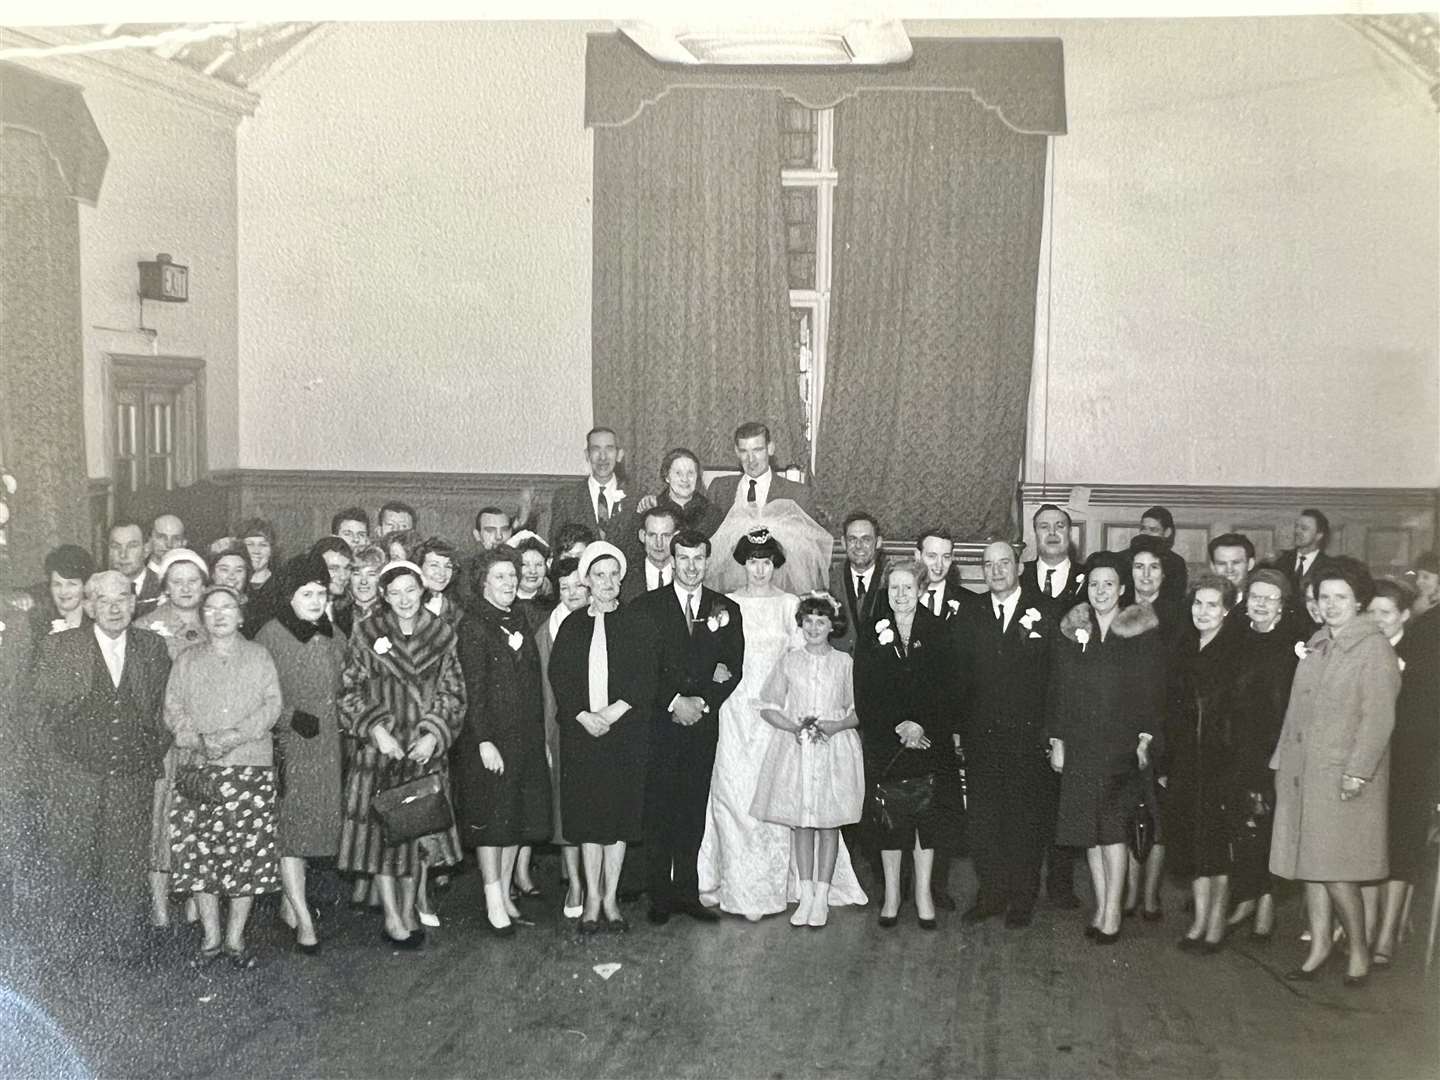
(198, 784)
(898, 804)
(413, 809)
(1144, 818)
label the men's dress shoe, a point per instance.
(1018, 920)
(657, 916)
(698, 911)
(944, 901)
(888, 922)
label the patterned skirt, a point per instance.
(226, 847)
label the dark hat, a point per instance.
(302, 570)
(759, 544)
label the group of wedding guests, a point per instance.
(689, 672)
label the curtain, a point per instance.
(937, 225)
(690, 308)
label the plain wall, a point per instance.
(1238, 283)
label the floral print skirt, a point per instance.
(226, 847)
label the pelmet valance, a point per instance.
(1021, 79)
(57, 113)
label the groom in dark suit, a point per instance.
(701, 653)
(859, 582)
(1004, 649)
(757, 483)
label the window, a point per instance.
(808, 179)
(156, 425)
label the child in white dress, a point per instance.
(813, 776)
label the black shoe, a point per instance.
(697, 911)
(308, 950)
(589, 926)
(1102, 938)
(889, 921)
(1153, 916)
(657, 916)
(617, 925)
(927, 924)
(979, 912)
(1018, 920)
(414, 941)
(508, 930)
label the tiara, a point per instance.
(758, 536)
(821, 594)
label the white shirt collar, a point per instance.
(862, 575)
(610, 487)
(654, 575)
(1061, 579)
(939, 589)
(1009, 604)
(113, 650)
(682, 592)
(762, 488)
(556, 618)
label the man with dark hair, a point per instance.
(1232, 556)
(597, 501)
(396, 516)
(126, 552)
(941, 591)
(572, 539)
(167, 532)
(701, 653)
(657, 569)
(1052, 574)
(757, 483)
(353, 526)
(1311, 533)
(1158, 522)
(858, 582)
(492, 527)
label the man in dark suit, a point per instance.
(1232, 556)
(1159, 522)
(127, 556)
(596, 501)
(858, 582)
(701, 657)
(99, 691)
(757, 484)
(1053, 575)
(655, 568)
(1311, 533)
(1004, 651)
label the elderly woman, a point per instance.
(1332, 767)
(502, 784)
(221, 703)
(1105, 704)
(403, 695)
(573, 594)
(1199, 753)
(436, 559)
(183, 578)
(1414, 757)
(1264, 669)
(904, 696)
(309, 656)
(684, 492)
(602, 671)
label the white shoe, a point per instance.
(427, 918)
(802, 909)
(495, 906)
(820, 905)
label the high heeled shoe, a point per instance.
(888, 922)
(1300, 974)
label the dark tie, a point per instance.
(930, 601)
(1049, 581)
(602, 508)
(1000, 616)
(690, 612)
(750, 498)
(859, 590)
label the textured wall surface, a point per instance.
(415, 252)
(170, 186)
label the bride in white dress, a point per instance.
(745, 863)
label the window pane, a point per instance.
(800, 203)
(798, 144)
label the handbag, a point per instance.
(898, 804)
(413, 809)
(198, 784)
(1144, 818)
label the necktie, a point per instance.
(602, 508)
(690, 612)
(1050, 582)
(750, 498)
(859, 590)
(1000, 615)
(930, 602)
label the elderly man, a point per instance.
(1004, 651)
(657, 569)
(98, 695)
(127, 551)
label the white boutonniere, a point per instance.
(1401, 661)
(1083, 637)
(382, 646)
(883, 633)
(617, 497)
(1079, 579)
(915, 643)
(721, 618)
(1300, 650)
(57, 626)
(953, 605)
(516, 639)
(1030, 618)
(163, 630)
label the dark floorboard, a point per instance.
(734, 1000)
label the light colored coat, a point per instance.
(1341, 712)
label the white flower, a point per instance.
(616, 497)
(1401, 660)
(953, 605)
(57, 626)
(719, 619)
(1300, 650)
(883, 634)
(1083, 637)
(161, 629)
(1079, 578)
(516, 639)
(1030, 618)
(8, 482)
(382, 646)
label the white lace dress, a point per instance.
(744, 863)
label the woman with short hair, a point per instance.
(684, 492)
(62, 607)
(262, 586)
(437, 560)
(1332, 767)
(365, 583)
(230, 565)
(340, 559)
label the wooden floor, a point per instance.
(733, 1000)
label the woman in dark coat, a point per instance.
(602, 670)
(501, 782)
(1264, 668)
(403, 695)
(1106, 703)
(1200, 760)
(309, 655)
(904, 696)
(1414, 755)
(684, 493)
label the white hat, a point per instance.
(601, 549)
(179, 555)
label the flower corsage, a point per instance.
(884, 634)
(382, 646)
(720, 619)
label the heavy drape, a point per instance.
(689, 293)
(937, 225)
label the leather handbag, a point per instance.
(898, 804)
(198, 784)
(1144, 817)
(413, 809)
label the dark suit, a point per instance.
(105, 744)
(150, 594)
(677, 781)
(1006, 767)
(572, 504)
(1295, 606)
(722, 493)
(1031, 580)
(1176, 576)
(634, 585)
(861, 619)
